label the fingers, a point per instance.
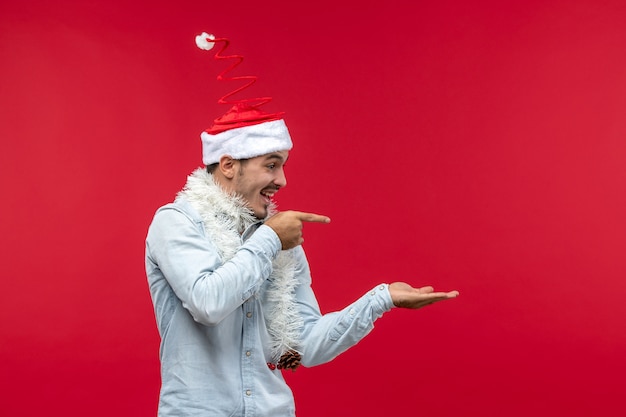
(435, 297)
(312, 217)
(440, 295)
(428, 290)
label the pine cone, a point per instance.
(289, 360)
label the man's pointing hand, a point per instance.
(288, 226)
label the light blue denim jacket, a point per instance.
(214, 339)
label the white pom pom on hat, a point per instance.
(203, 41)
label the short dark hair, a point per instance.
(212, 167)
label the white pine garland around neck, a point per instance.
(225, 217)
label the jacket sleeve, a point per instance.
(326, 336)
(177, 247)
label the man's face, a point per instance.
(258, 179)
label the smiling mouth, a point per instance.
(268, 195)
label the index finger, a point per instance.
(312, 217)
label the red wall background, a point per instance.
(471, 145)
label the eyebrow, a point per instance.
(276, 156)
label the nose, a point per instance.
(280, 180)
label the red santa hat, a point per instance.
(244, 131)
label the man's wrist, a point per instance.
(269, 240)
(381, 291)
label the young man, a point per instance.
(231, 285)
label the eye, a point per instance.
(271, 166)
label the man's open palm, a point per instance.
(403, 295)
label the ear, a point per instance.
(227, 166)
